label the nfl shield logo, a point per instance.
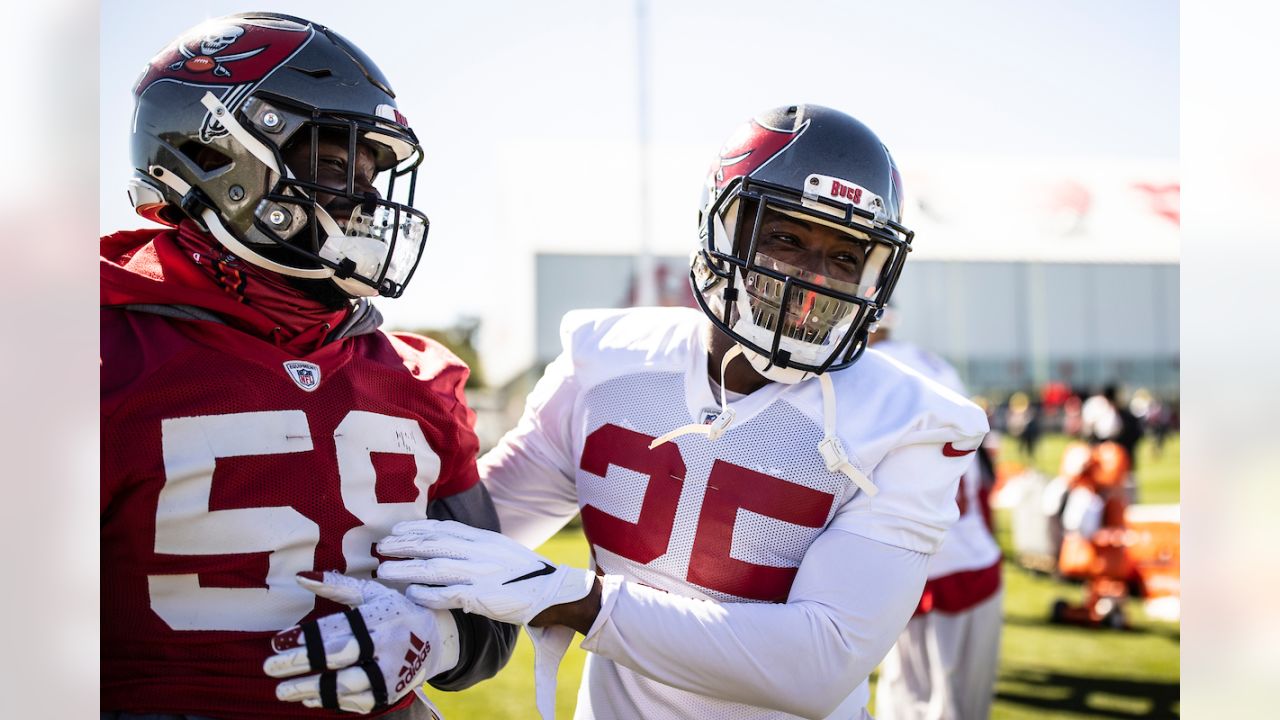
(305, 375)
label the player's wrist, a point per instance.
(450, 645)
(579, 614)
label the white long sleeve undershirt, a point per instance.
(803, 657)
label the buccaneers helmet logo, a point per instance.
(750, 147)
(221, 54)
(201, 58)
(209, 46)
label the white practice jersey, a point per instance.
(969, 544)
(743, 579)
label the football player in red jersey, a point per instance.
(259, 433)
(761, 496)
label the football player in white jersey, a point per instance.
(760, 509)
(943, 666)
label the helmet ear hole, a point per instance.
(206, 158)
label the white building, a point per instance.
(1022, 272)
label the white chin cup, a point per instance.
(806, 353)
(786, 376)
(803, 352)
(366, 241)
(367, 253)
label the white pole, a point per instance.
(647, 291)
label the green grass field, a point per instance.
(1046, 671)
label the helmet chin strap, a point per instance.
(229, 241)
(228, 121)
(714, 429)
(786, 376)
(829, 448)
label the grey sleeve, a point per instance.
(485, 645)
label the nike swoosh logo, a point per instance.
(952, 451)
(546, 569)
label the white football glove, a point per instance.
(484, 573)
(364, 658)
(479, 571)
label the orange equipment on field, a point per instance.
(1080, 525)
(1095, 542)
(1153, 541)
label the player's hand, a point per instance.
(364, 658)
(481, 572)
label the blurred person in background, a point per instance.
(1104, 418)
(1051, 410)
(944, 664)
(1072, 420)
(1140, 404)
(760, 496)
(1022, 421)
(1153, 418)
(1099, 419)
(1159, 423)
(256, 424)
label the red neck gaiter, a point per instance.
(187, 266)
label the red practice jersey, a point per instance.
(228, 466)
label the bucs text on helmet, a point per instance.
(214, 113)
(815, 165)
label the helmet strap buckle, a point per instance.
(346, 268)
(194, 203)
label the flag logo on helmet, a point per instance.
(206, 57)
(752, 146)
(218, 53)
